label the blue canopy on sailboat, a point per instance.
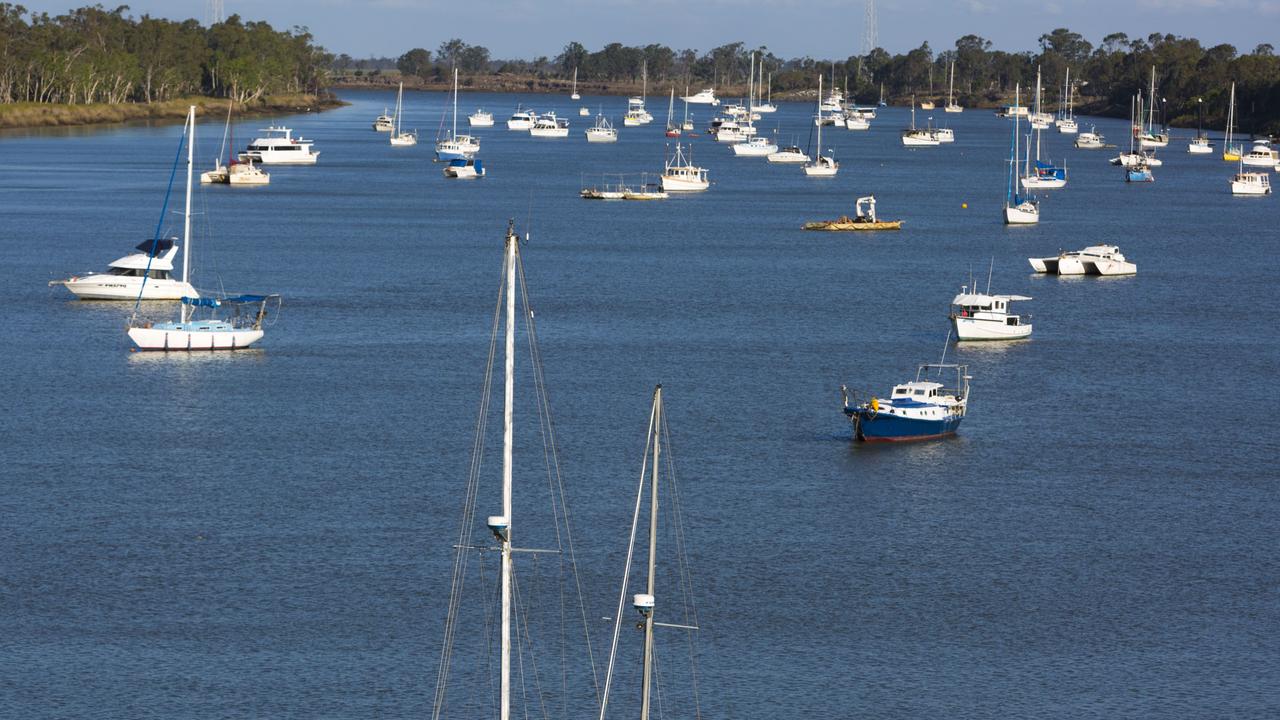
(201, 302)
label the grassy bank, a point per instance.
(18, 115)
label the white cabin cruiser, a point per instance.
(980, 316)
(1250, 183)
(279, 147)
(1093, 260)
(1261, 156)
(855, 121)
(1091, 140)
(457, 147)
(944, 135)
(480, 118)
(464, 168)
(384, 122)
(521, 119)
(549, 126)
(703, 97)
(1200, 145)
(789, 155)
(758, 146)
(123, 278)
(681, 175)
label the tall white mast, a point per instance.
(1151, 111)
(751, 81)
(951, 86)
(1037, 128)
(818, 158)
(455, 106)
(513, 244)
(646, 683)
(186, 213)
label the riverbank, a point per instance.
(26, 115)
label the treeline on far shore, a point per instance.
(94, 55)
(1105, 77)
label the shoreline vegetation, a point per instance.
(94, 65)
(33, 115)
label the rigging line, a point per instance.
(686, 573)
(164, 208)
(545, 407)
(468, 511)
(626, 572)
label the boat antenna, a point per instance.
(944, 351)
(990, 270)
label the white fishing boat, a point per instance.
(1250, 182)
(521, 119)
(240, 324)
(480, 119)
(790, 155)
(384, 122)
(703, 97)
(467, 168)
(918, 137)
(602, 132)
(822, 165)
(758, 146)
(1200, 145)
(952, 106)
(728, 131)
(515, 594)
(944, 135)
(574, 95)
(399, 138)
(681, 175)
(1091, 140)
(549, 126)
(983, 316)
(677, 613)
(280, 147)
(1093, 260)
(1018, 209)
(455, 146)
(1261, 155)
(123, 279)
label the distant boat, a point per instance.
(672, 130)
(922, 409)
(1067, 124)
(681, 175)
(575, 95)
(822, 165)
(1137, 166)
(521, 119)
(234, 172)
(952, 107)
(1091, 140)
(384, 122)
(703, 97)
(1230, 152)
(983, 316)
(1148, 138)
(400, 138)
(1200, 145)
(455, 146)
(1261, 155)
(759, 146)
(792, 155)
(240, 328)
(767, 106)
(280, 147)
(464, 168)
(864, 219)
(549, 126)
(1093, 260)
(918, 137)
(481, 119)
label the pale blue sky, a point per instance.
(790, 28)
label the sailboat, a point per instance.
(399, 138)
(1200, 145)
(575, 95)
(1047, 176)
(1067, 124)
(952, 107)
(687, 125)
(240, 328)
(1018, 209)
(234, 172)
(882, 103)
(1137, 166)
(1230, 152)
(1150, 139)
(1039, 120)
(767, 106)
(516, 605)
(918, 137)
(455, 146)
(928, 104)
(822, 165)
(677, 611)
(672, 130)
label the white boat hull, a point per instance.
(789, 158)
(1020, 215)
(600, 136)
(945, 135)
(917, 141)
(824, 167)
(520, 125)
(1039, 183)
(268, 157)
(1199, 149)
(1255, 161)
(549, 132)
(754, 150)
(670, 184)
(480, 122)
(104, 286)
(193, 339)
(953, 109)
(856, 124)
(968, 328)
(1249, 188)
(405, 140)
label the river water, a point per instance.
(268, 533)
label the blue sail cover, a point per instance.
(201, 302)
(217, 302)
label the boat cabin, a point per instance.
(919, 391)
(987, 307)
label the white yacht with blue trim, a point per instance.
(918, 410)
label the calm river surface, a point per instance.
(268, 533)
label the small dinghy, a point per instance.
(865, 219)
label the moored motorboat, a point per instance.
(123, 279)
(681, 175)
(521, 119)
(384, 122)
(280, 147)
(480, 118)
(703, 97)
(1093, 260)
(918, 410)
(1261, 155)
(549, 126)
(755, 147)
(792, 154)
(602, 132)
(464, 168)
(1250, 183)
(982, 316)
(1091, 140)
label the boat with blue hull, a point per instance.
(922, 409)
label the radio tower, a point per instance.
(870, 39)
(216, 14)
